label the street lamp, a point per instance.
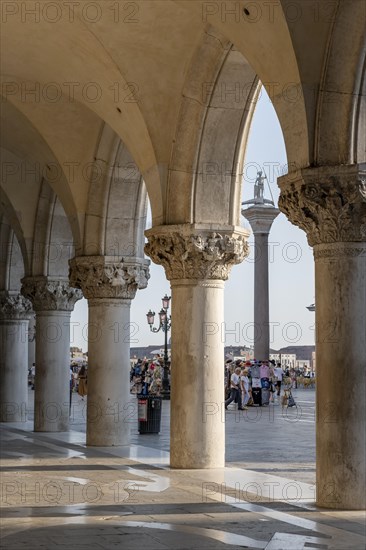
(164, 325)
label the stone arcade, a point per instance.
(101, 113)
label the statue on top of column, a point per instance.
(258, 199)
(259, 187)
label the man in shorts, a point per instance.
(235, 389)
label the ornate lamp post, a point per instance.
(164, 325)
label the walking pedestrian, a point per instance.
(235, 390)
(279, 376)
(82, 388)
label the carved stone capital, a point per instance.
(193, 251)
(14, 306)
(104, 277)
(328, 203)
(47, 294)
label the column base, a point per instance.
(334, 498)
(106, 442)
(189, 462)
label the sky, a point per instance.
(291, 265)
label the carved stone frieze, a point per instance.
(103, 277)
(48, 294)
(14, 306)
(191, 252)
(328, 203)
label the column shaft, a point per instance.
(108, 409)
(261, 298)
(197, 378)
(340, 275)
(13, 370)
(31, 341)
(52, 381)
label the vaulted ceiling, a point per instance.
(175, 82)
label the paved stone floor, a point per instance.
(57, 494)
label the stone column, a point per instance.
(329, 203)
(14, 314)
(109, 286)
(53, 300)
(261, 219)
(197, 260)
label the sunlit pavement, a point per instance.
(58, 494)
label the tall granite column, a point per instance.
(197, 261)
(14, 314)
(329, 203)
(109, 286)
(261, 218)
(53, 300)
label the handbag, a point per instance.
(291, 401)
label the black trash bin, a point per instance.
(149, 414)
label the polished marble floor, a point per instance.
(58, 494)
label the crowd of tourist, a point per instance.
(146, 376)
(243, 379)
(250, 383)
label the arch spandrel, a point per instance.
(341, 118)
(14, 265)
(13, 217)
(60, 246)
(360, 122)
(5, 239)
(53, 243)
(127, 208)
(205, 66)
(220, 165)
(205, 173)
(11, 257)
(116, 214)
(21, 183)
(46, 252)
